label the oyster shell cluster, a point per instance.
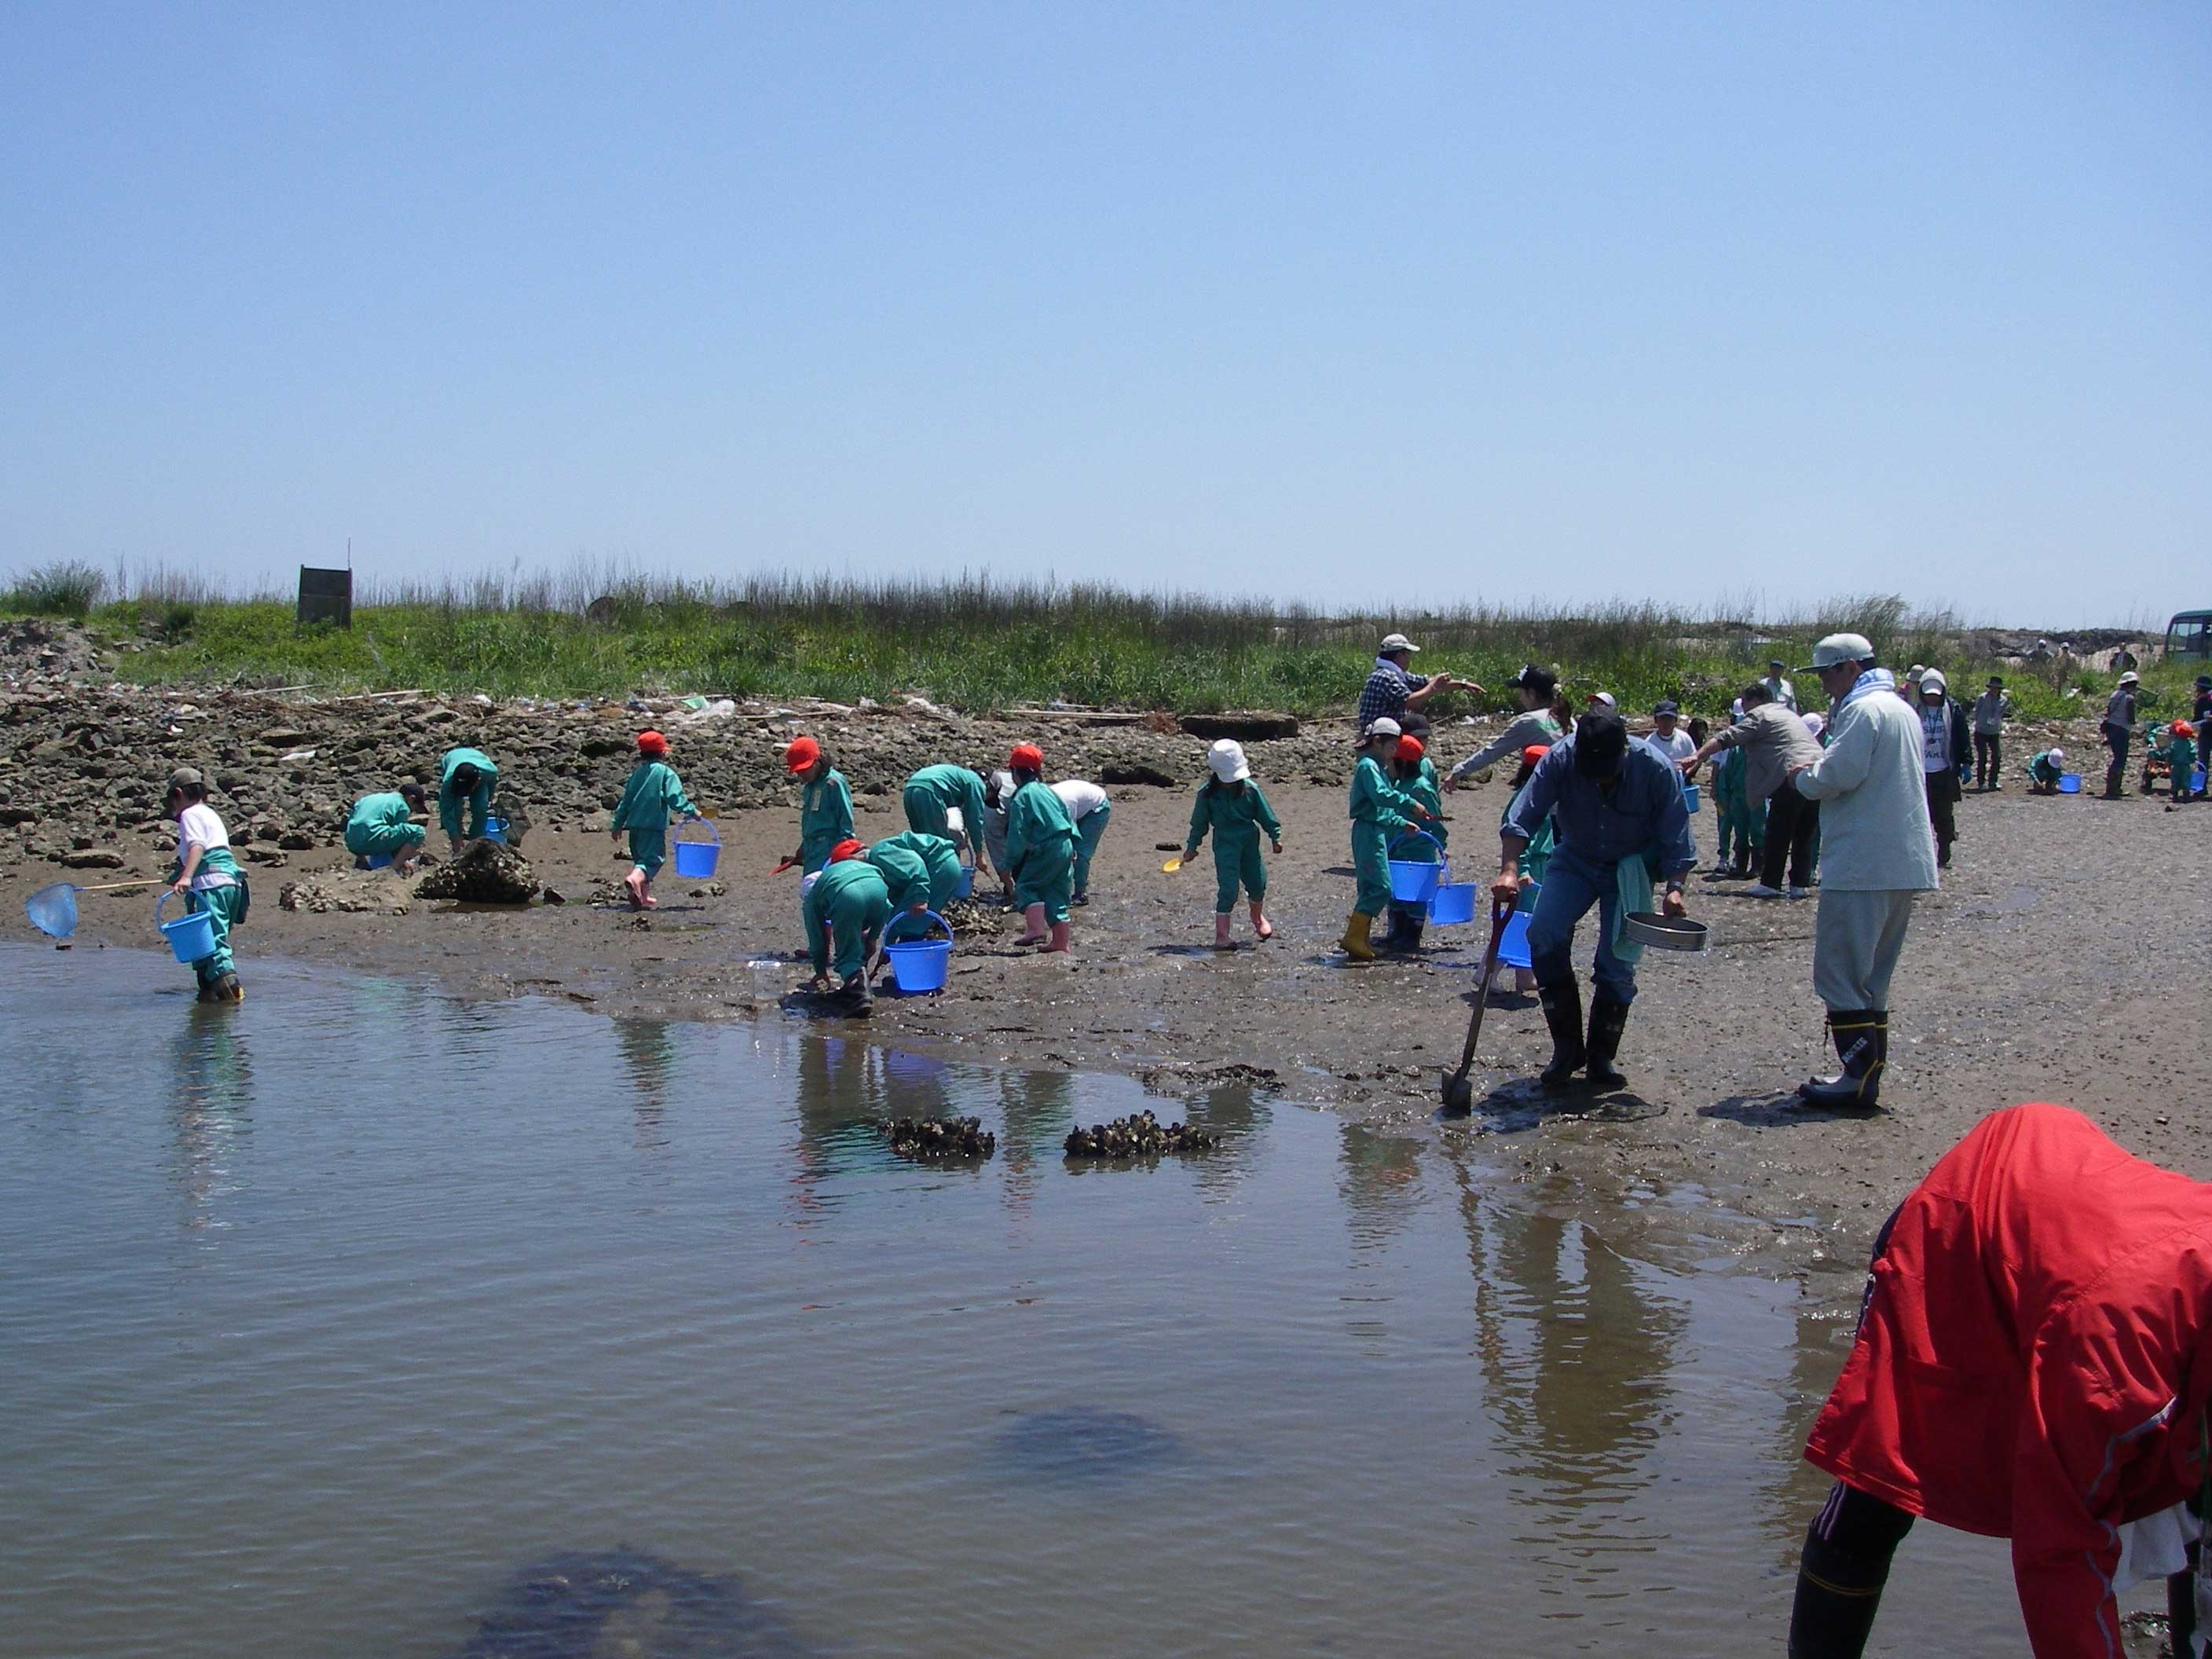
(939, 1137)
(1140, 1136)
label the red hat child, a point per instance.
(846, 849)
(1026, 757)
(1411, 749)
(651, 742)
(802, 754)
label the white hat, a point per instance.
(1916, 671)
(1736, 710)
(2131, 677)
(1815, 722)
(1604, 697)
(1226, 757)
(1840, 647)
(1934, 677)
(2057, 753)
(1385, 728)
(1396, 642)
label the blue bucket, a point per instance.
(495, 830)
(2197, 781)
(966, 888)
(377, 862)
(190, 936)
(920, 964)
(696, 860)
(1690, 796)
(1417, 884)
(1513, 945)
(1454, 903)
(2069, 783)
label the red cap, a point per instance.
(1535, 752)
(2184, 729)
(802, 754)
(1411, 749)
(846, 849)
(1026, 757)
(651, 742)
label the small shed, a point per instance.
(325, 596)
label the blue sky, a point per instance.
(1418, 303)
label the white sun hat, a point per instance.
(1226, 757)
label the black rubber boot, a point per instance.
(857, 987)
(1404, 934)
(1563, 1012)
(1608, 1019)
(1837, 1596)
(1862, 1042)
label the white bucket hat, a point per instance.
(2131, 677)
(2057, 753)
(1226, 757)
(1385, 728)
(1840, 647)
(1396, 642)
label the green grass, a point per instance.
(971, 643)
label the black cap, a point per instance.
(1670, 707)
(2204, 682)
(1411, 724)
(1600, 744)
(1542, 680)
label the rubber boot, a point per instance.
(1608, 1018)
(1862, 1042)
(1837, 1596)
(1033, 928)
(1563, 1012)
(1394, 934)
(1263, 929)
(856, 987)
(226, 988)
(2114, 776)
(1404, 938)
(1354, 942)
(1061, 933)
(1220, 932)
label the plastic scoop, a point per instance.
(788, 864)
(1171, 867)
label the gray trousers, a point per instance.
(1856, 939)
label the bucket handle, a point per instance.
(908, 916)
(167, 893)
(714, 835)
(1407, 835)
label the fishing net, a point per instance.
(53, 910)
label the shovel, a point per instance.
(1459, 1094)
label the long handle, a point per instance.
(1501, 914)
(110, 886)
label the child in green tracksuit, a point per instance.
(383, 826)
(844, 911)
(1412, 771)
(2180, 758)
(652, 793)
(1379, 811)
(825, 804)
(1231, 806)
(1743, 821)
(2044, 771)
(935, 792)
(922, 871)
(1040, 852)
(466, 777)
(207, 878)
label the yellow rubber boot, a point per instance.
(1355, 937)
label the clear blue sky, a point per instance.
(1337, 302)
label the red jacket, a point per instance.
(2035, 1360)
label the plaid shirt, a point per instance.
(1383, 696)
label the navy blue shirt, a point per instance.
(1642, 808)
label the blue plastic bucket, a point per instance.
(2197, 781)
(1690, 796)
(966, 888)
(377, 862)
(920, 964)
(1454, 903)
(2069, 783)
(696, 860)
(495, 830)
(1513, 945)
(1417, 884)
(190, 936)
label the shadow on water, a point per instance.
(1078, 1446)
(621, 1603)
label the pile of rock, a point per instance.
(486, 872)
(1141, 1136)
(926, 1137)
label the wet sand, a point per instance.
(2064, 961)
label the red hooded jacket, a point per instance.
(2035, 1360)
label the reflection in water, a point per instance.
(213, 1111)
(647, 1050)
(835, 1096)
(1237, 1116)
(1036, 1111)
(1381, 1184)
(621, 1603)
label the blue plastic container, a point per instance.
(696, 860)
(1513, 945)
(2197, 781)
(967, 887)
(190, 936)
(1417, 884)
(1453, 904)
(377, 862)
(921, 964)
(2069, 783)
(1691, 797)
(495, 830)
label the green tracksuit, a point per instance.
(1743, 821)
(2044, 770)
(479, 799)
(825, 817)
(917, 868)
(846, 907)
(1235, 813)
(2180, 761)
(223, 905)
(1379, 810)
(380, 825)
(931, 793)
(1422, 788)
(652, 793)
(1089, 831)
(1041, 850)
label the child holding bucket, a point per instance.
(207, 878)
(652, 793)
(825, 804)
(1040, 852)
(1230, 806)
(383, 826)
(1412, 771)
(1379, 811)
(2180, 758)
(1530, 868)
(467, 777)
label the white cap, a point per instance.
(1934, 677)
(2057, 753)
(1226, 757)
(1604, 697)
(1842, 647)
(1815, 723)
(1385, 728)
(1916, 671)
(1396, 642)
(1736, 710)
(2131, 677)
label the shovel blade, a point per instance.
(1458, 1092)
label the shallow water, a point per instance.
(329, 1321)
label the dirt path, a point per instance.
(2064, 960)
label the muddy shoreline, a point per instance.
(2058, 962)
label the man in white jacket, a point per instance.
(1876, 852)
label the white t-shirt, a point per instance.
(1679, 747)
(1081, 798)
(199, 826)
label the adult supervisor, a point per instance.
(2034, 1362)
(1532, 726)
(2119, 725)
(1393, 691)
(1617, 808)
(1876, 852)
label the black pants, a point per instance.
(1942, 811)
(1791, 823)
(2116, 740)
(1989, 758)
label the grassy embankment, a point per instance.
(972, 643)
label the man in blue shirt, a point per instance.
(1620, 819)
